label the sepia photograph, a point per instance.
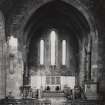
(52, 52)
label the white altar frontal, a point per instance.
(52, 82)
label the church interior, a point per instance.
(52, 52)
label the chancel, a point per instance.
(51, 82)
(52, 52)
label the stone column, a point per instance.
(83, 66)
(26, 76)
(90, 85)
(2, 58)
(89, 53)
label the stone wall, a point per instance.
(3, 56)
(71, 55)
(15, 75)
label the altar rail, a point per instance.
(36, 102)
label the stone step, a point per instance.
(53, 94)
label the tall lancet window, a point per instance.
(53, 38)
(64, 52)
(41, 52)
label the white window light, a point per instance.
(13, 42)
(53, 38)
(63, 52)
(41, 52)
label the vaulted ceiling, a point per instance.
(12, 7)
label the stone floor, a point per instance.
(56, 100)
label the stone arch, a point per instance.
(77, 4)
(24, 17)
(84, 11)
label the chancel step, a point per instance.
(53, 94)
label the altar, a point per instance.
(52, 83)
